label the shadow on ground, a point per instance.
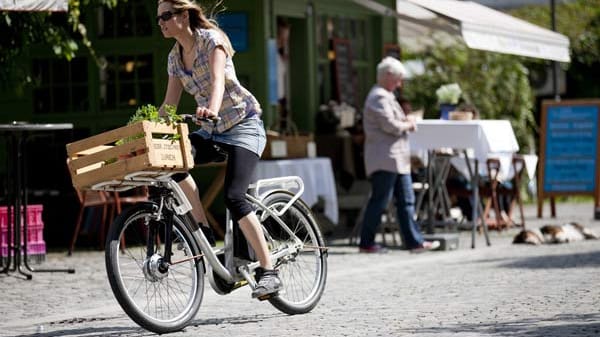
(93, 332)
(558, 326)
(136, 331)
(234, 320)
(577, 260)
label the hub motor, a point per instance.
(155, 269)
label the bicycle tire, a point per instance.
(159, 301)
(301, 293)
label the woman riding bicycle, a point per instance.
(201, 63)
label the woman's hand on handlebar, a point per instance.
(200, 119)
(203, 112)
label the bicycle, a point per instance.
(156, 255)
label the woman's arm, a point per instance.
(173, 94)
(216, 64)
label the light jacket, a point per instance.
(386, 133)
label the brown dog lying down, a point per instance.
(568, 232)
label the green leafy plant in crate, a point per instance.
(151, 113)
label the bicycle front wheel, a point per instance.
(303, 275)
(158, 296)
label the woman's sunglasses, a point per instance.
(166, 16)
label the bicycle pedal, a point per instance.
(268, 296)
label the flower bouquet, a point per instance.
(448, 96)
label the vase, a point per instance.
(445, 109)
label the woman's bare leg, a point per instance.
(252, 230)
(190, 189)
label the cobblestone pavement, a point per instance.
(502, 290)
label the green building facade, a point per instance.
(130, 46)
(129, 43)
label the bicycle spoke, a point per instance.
(157, 294)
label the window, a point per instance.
(128, 19)
(62, 86)
(126, 81)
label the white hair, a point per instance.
(390, 65)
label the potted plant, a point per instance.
(448, 96)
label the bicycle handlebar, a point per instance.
(196, 119)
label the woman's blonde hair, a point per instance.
(199, 20)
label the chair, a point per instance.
(489, 190)
(389, 224)
(89, 199)
(130, 197)
(138, 194)
(512, 189)
(493, 190)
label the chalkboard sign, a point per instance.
(569, 149)
(344, 74)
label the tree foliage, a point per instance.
(496, 84)
(579, 20)
(63, 33)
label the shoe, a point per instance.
(208, 233)
(268, 283)
(373, 249)
(426, 246)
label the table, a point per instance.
(17, 133)
(476, 139)
(317, 175)
(480, 137)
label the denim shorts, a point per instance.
(249, 133)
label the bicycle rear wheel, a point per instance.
(303, 275)
(160, 298)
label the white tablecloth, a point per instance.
(317, 175)
(482, 136)
(482, 139)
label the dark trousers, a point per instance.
(384, 186)
(241, 164)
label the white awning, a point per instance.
(484, 28)
(34, 5)
(479, 26)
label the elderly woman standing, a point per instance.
(201, 63)
(387, 160)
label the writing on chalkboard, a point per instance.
(571, 148)
(344, 73)
(569, 151)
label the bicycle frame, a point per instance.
(180, 205)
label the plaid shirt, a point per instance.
(237, 103)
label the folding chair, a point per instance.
(512, 189)
(89, 199)
(489, 190)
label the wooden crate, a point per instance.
(98, 159)
(296, 146)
